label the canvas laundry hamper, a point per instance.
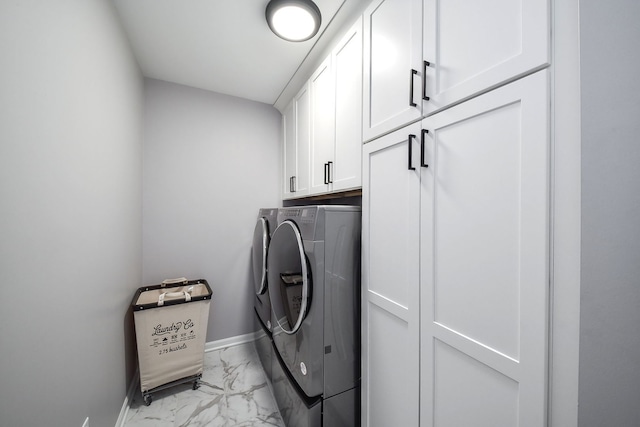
(171, 328)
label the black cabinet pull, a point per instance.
(326, 179)
(425, 64)
(411, 138)
(422, 162)
(329, 172)
(413, 73)
(292, 184)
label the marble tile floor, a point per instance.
(233, 393)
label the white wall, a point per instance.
(210, 162)
(70, 211)
(610, 277)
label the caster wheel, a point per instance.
(196, 385)
(147, 399)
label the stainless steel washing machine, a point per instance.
(314, 287)
(265, 225)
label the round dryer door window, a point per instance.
(259, 255)
(289, 277)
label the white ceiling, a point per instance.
(223, 46)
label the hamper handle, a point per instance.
(186, 294)
(174, 281)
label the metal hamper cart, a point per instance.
(171, 328)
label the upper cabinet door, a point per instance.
(302, 111)
(289, 150)
(322, 126)
(392, 61)
(345, 172)
(473, 46)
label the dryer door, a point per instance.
(288, 274)
(259, 255)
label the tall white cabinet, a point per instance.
(455, 264)
(456, 213)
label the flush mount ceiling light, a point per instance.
(293, 20)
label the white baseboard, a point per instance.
(128, 399)
(209, 346)
(230, 342)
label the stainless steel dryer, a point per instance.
(265, 225)
(314, 288)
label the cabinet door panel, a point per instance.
(302, 106)
(391, 387)
(484, 259)
(347, 64)
(390, 277)
(474, 46)
(392, 47)
(322, 126)
(494, 394)
(290, 155)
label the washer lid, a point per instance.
(259, 255)
(289, 276)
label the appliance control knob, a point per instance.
(303, 368)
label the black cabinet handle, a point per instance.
(292, 184)
(413, 73)
(330, 181)
(422, 162)
(409, 143)
(326, 174)
(425, 64)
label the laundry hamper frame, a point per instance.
(171, 327)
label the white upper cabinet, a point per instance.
(302, 105)
(345, 172)
(290, 161)
(472, 46)
(392, 63)
(297, 133)
(327, 117)
(322, 126)
(422, 56)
